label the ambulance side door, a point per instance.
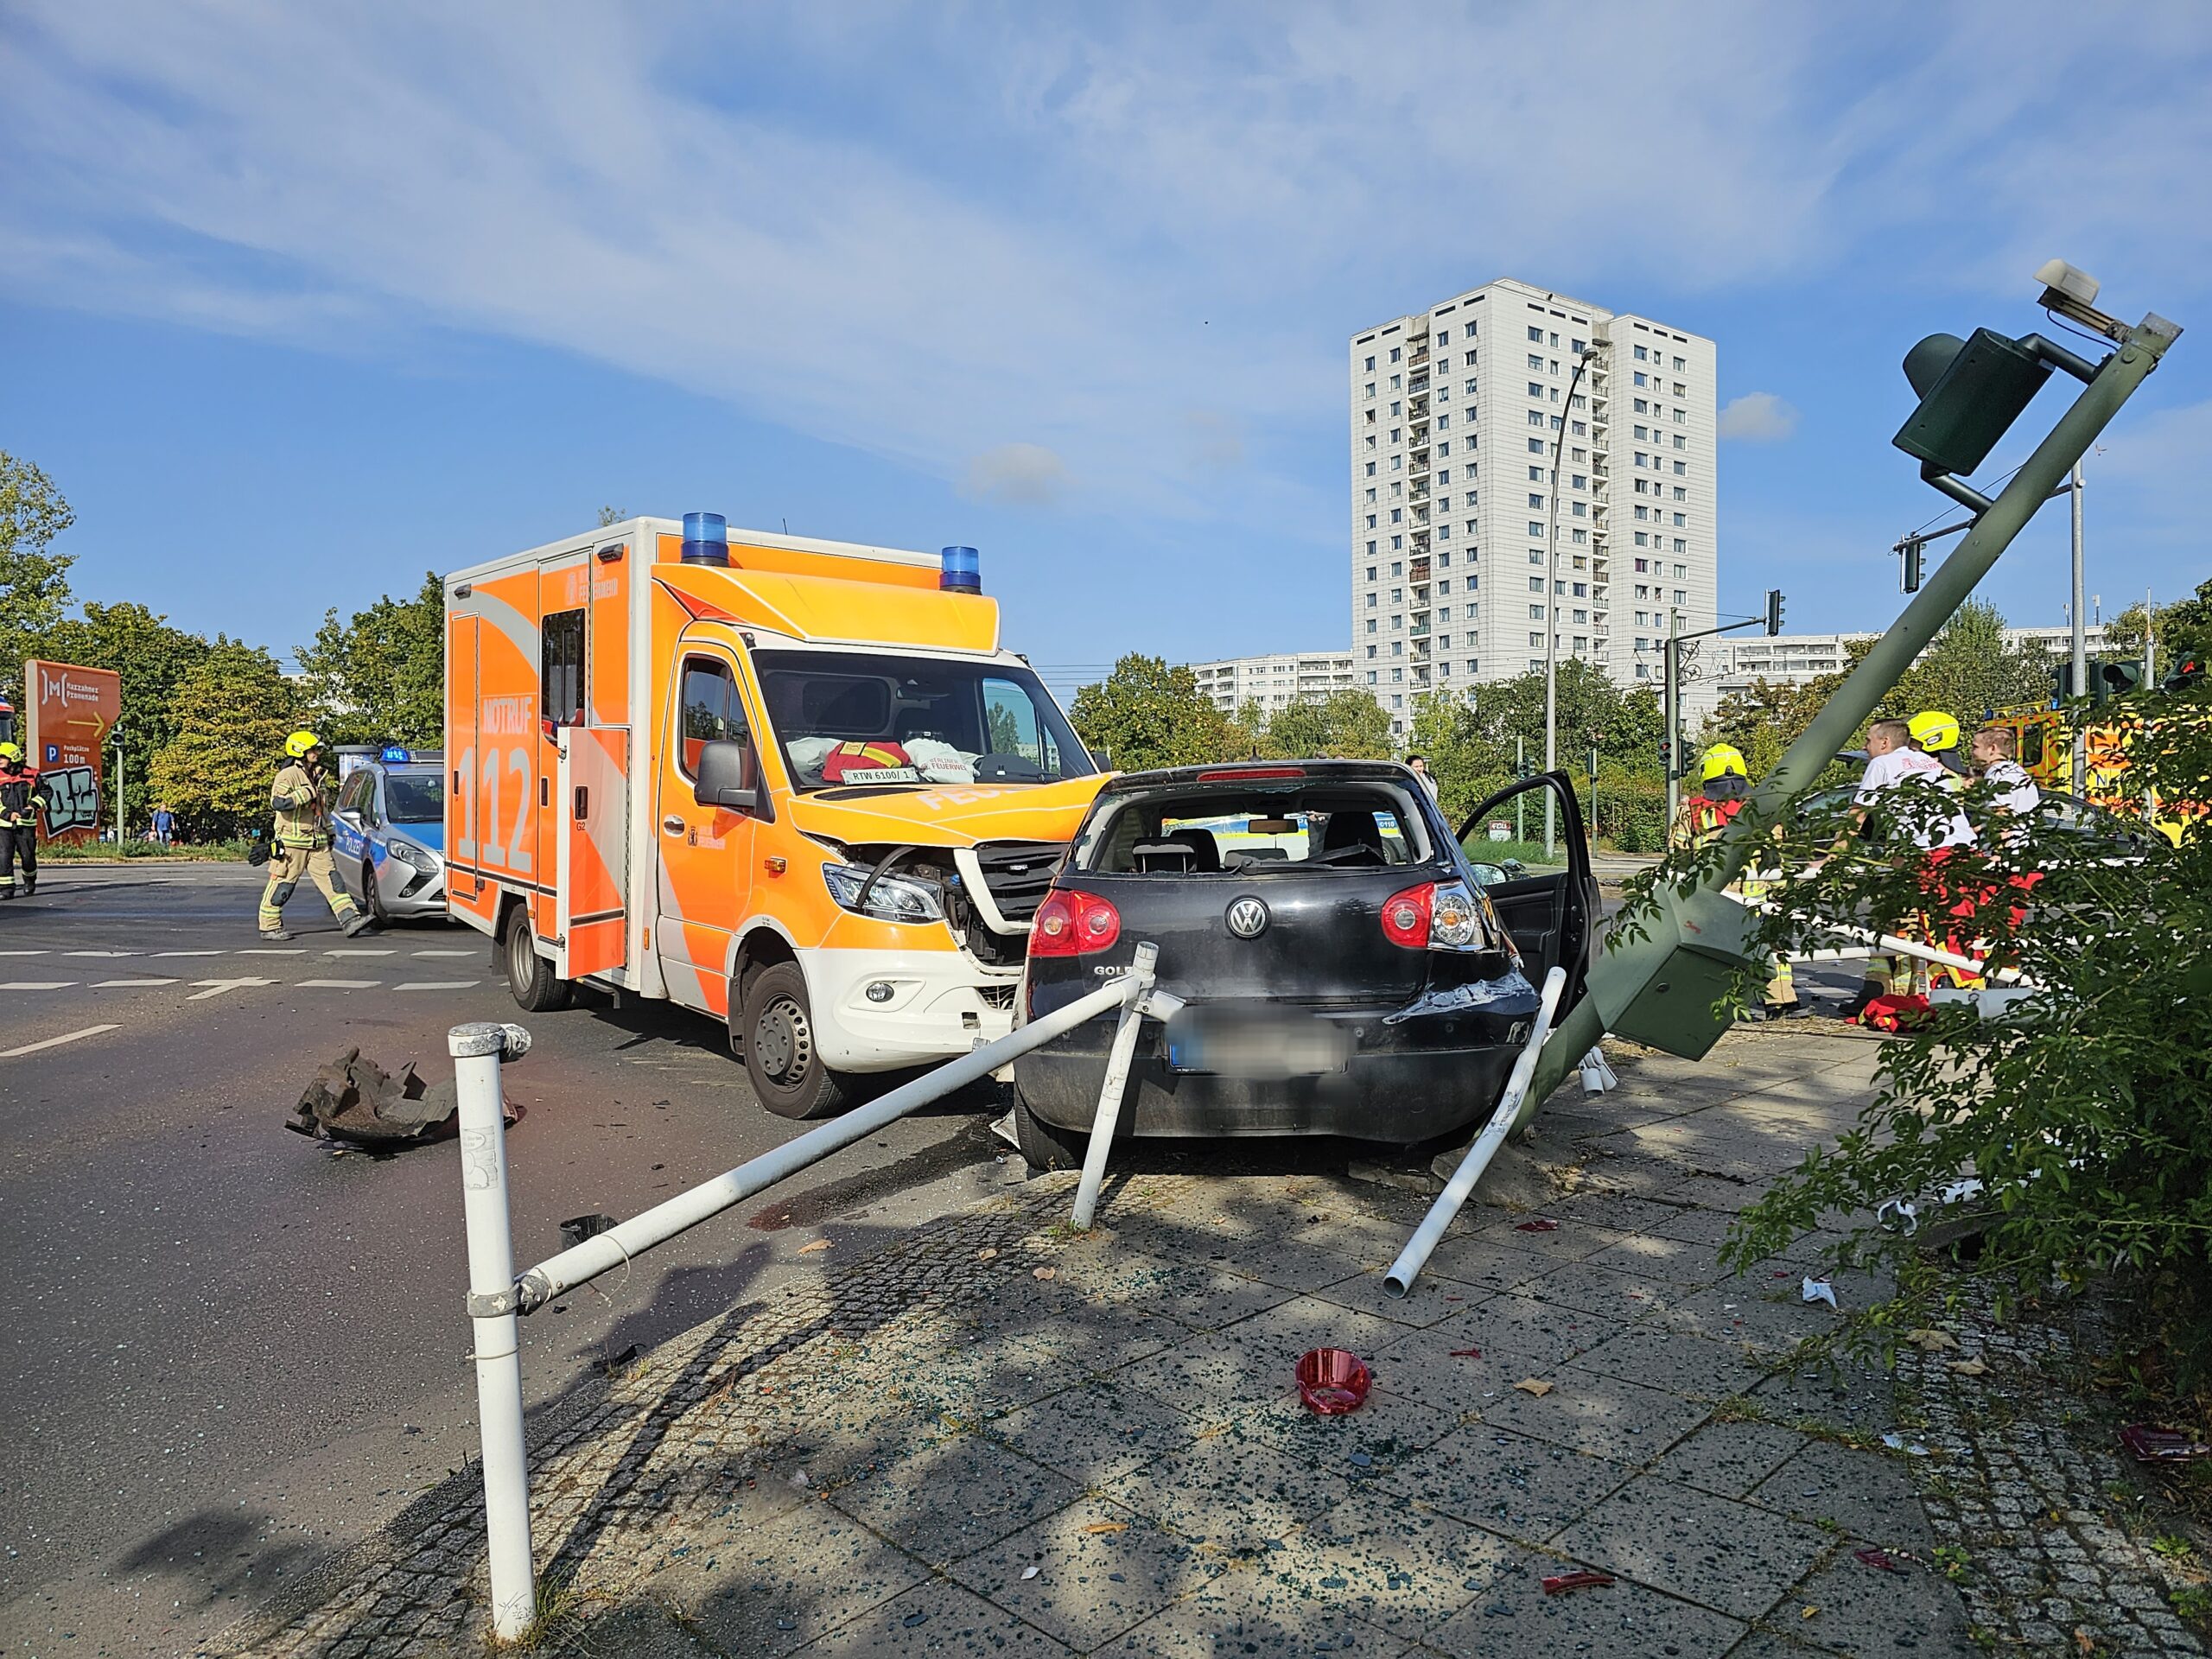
(706, 860)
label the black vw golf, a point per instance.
(1348, 967)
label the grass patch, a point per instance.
(103, 852)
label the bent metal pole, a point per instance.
(585, 1261)
(1403, 1271)
(1946, 587)
(477, 1051)
(1118, 1059)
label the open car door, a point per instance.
(1553, 917)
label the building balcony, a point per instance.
(1417, 384)
(1419, 571)
(1418, 358)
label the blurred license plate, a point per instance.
(1266, 1042)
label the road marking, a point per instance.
(340, 984)
(438, 985)
(37, 985)
(217, 987)
(103, 953)
(447, 953)
(22, 953)
(187, 953)
(276, 950)
(116, 984)
(51, 1042)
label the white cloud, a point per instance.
(1025, 474)
(1757, 417)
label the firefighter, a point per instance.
(1935, 734)
(22, 798)
(1725, 784)
(301, 801)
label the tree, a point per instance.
(380, 676)
(33, 583)
(1146, 714)
(2181, 629)
(1344, 724)
(234, 708)
(611, 516)
(152, 657)
(1970, 668)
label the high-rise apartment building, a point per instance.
(1454, 413)
(1277, 681)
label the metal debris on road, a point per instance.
(1561, 1583)
(1030, 1572)
(354, 1101)
(1819, 1290)
(1333, 1382)
(2148, 1445)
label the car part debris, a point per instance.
(1597, 1075)
(1536, 1386)
(1333, 1382)
(1559, 1583)
(1540, 1224)
(1819, 1290)
(355, 1102)
(1880, 1560)
(1897, 1442)
(2148, 1445)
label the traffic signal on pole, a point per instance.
(2061, 684)
(2110, 680)
(2185, 675)
(1971, 391)
(1914, 552)
(1773, 612)
(1666, 757)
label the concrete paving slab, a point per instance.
(1247, 1613)
(1849, 1400)
(1608, 1292)
(1436, 1367)
(1099, 1432)
(1512, 1485)
(1234, 1494)
(1719, 1554)
(1689, 1222)
(1209, 1375)
(1688, 1366)
(1514, 1620)
(796, 1578)
(1602, 1416)
(1712, 1192)
(1394, 1564)
(1677, 1263)
(936, 1618)
(1729, 1458)
(1864, 1610)
(1768, 1315)
(1292, 1263)
(1385, 1431)
(1432, 1298)
(1869, 1495)
(639, 1629)
(1483, 1262)
(1277, 1336)
(944, 1499)
(1101, 1568)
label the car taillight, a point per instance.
(1072, 924)
(1434, 915)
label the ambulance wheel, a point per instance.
(1047, 1145)
(781, 1056)
(537, 989)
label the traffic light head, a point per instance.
(1971, 391)
(2109, 680)
(2184, 675)
(1773, 612)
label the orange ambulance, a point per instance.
(796, 786)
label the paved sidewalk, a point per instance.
(996, 1437)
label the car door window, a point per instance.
(354, 797)
(709, 709)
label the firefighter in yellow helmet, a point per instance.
(22, 797)
(1726, 785)
(301, 800)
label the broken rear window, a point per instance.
(1254, 831)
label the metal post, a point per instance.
(118, 787)
(2078, 763)
(1673, 716)
(1520, 800)
(1118, 1060)
(477, 1051)
(1551, 601)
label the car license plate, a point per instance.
(1262, 1042)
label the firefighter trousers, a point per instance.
(286, 865)
(18, 841)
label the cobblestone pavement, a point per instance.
(2050, 1541)
(999, 1436)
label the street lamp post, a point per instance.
(1551, 603)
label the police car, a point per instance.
(388, 832)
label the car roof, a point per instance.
(1224, 772)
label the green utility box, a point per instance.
(1691, 950)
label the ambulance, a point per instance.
(795, 785)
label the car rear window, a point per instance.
(1253, 832)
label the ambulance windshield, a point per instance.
(852, 721)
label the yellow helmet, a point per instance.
(300, 742)
(1721, 759)
(1933, 730)
(9, 751)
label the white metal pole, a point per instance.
(1672, 715)
(1399, 1281)
(2078, 766)
(1551, 601)
(1118, 1060)
(477, 1051)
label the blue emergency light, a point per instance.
(706, 539)
(960, 571)
(395, 755)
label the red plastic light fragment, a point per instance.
(1541, 1224)
(1466, 1353)
(1558, 1583)
(1881, 1560)
(2148, 1445)
(1333, 1381)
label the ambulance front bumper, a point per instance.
(927, 1007)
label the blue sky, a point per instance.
(300, 302)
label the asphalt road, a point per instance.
(229, 1352)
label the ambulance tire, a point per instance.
(537, 989)
(781, 1060)
(1047, 1145)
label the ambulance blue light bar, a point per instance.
(706, 539)
(960, 570)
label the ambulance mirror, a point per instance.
(729, 777)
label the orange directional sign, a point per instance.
(71, 711)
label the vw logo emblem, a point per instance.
(1247, 919)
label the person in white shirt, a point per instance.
(1893, 763)
(1992, 758)
(1420, 770)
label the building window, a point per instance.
(1443, 448)
(1444, 670)
(1682, 469)
(1535, 530)
(1370, 469)
(1371, 369)
(1537, 502)
(1641, 539)
(1536, 336)
(1370, 569)
(1396, 352)
(1641, 355)
(1680, 545)
(1680, 365)
(1371, 676)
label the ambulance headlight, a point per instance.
(890, 898)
